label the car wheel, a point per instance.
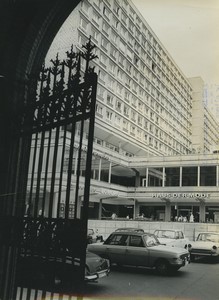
(162, 267)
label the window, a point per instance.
(118, 105)
(119, 89)
(113, 52)
(106, 12)
(151, 241)
(112, 68)
(104, 43)
(96, 18)
(126, 110)
(111, 83)
(136, 241)
(121, 60)
(109, 100)
(103, 59)
(120, 74)
(131, 26)
(122, 46)
(208, 176)
(94, 33)
(106, 28)
(117, 239)
(99, 109)
(129, 53)
(85, 7)
(113, 37)
(115, 23)
(109, 115)
(124, 18)
(116, 8)
(189, 176)
(123, 31)
(83, 24)
(117, 120)
(101, 91)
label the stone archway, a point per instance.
(27, 30)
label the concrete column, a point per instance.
(99, 174)
(110, 170)
(217, 175)
(137, 179)
(180, 176)
(136, 209)
(146, 177)
(202, 212)
(167, 212)
(100, 209)
(163, 179)
(198, 177)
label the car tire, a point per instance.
(162, 267)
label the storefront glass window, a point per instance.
(155, 176)
(95, 167)
(172, 176)
(208, 176)
(105, 165)
(189, 176)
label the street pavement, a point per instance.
(197, 281)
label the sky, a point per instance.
(189, 30)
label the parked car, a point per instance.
(141, 249)
(93, 237)
(172, 237)
(206, 244)
(58, 272)
(130, 229)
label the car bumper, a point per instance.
(181, 262)
(203, 253)
(97, 275)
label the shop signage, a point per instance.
(181, 195)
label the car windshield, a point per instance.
(151, 240)
(169, 234)
(208, 237)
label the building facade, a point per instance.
(211, 99)
(205, 127)
(151, 127)
(144, 102)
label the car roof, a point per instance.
(168, 230)
(130, 229)
(211, 232)
(127, 232)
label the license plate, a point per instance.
(102, 275)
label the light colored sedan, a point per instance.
(172, 237)
(206, 244)
(141, 249)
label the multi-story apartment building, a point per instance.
(144, 102)
(146, 108)
(205, 133)
(211, 99)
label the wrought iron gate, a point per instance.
(50, 206)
